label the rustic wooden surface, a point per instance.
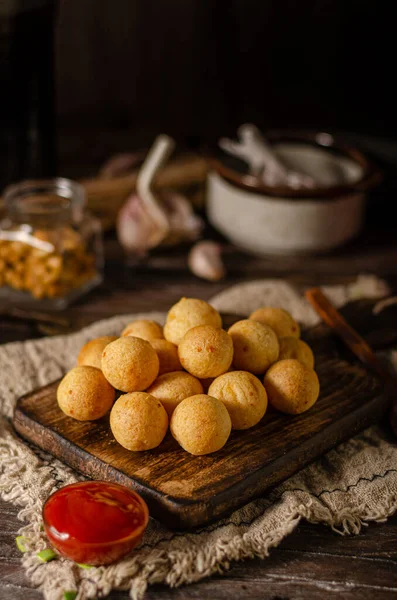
(313, 563)
(185, 491)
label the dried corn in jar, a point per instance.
(50, 247)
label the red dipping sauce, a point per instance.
(95, 522)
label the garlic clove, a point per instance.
(184, 223)
(204, 260)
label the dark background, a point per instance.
(95, 77)
(127, 70)
(199, 68)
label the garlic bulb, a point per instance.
(138, 231)
(205, 261)
(149, 219)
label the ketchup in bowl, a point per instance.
(95, 522)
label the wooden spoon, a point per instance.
(357, 345)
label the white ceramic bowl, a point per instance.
(280, 220)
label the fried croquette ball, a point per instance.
(205, 351)
(172, 388)
(201, 424)
(256, 346)
(168, 356)
(278, 319)
(84, 394)
(145, 329)
(91, 353)
(292, 347)
(188, 313)
(138, 421)
(130, 364)
(243, 395)
(291, 386)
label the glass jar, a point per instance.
(50, 247)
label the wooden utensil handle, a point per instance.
(332, 317)
(357, 345)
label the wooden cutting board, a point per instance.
(185, 491)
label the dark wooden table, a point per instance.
(312, 563)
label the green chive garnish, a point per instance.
(83, 566)
(20, 542)
(69, 595)
(47, 555)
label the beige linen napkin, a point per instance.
(350, 486)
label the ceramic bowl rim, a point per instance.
(370, 176)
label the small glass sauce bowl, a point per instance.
(95, 522)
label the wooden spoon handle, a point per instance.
(357, 345)
(349, 336)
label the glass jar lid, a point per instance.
(45, 203)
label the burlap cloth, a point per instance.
(350, 486)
